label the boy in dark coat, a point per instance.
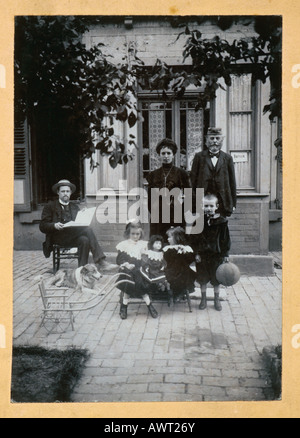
(213, 170)
(211, 249)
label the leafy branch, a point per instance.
(55, 71)
(214, 60)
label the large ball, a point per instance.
(228, 274)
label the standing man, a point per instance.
(213, 170)
(57, 213)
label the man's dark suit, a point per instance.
(220, 180)
(82, 237)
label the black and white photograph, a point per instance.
(147, 229)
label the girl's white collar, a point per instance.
(181, 249)
(133, 249)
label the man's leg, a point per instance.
(95, 248)
(83, 250)
(98, 254)
(86, 239)
(73, 238)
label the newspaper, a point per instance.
(83, 219)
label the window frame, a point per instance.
(256, 109)
(148, 96)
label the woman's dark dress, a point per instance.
(170, 177)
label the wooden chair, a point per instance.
(59, 310)
(62, 253)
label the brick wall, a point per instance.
(249, 230)
(109, 235)
(249, 227)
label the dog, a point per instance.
(82, 278)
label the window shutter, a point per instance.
(22, 186)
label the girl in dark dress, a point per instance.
(211, 248)
(179, 256)
(129, 259)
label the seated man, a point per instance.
(55, 214)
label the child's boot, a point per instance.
(170, 296)
(203, 302)
(152, 311)
(123, 311)
(217, 302)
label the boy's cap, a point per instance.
(214, 131)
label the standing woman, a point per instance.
(170, 177)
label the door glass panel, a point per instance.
(172, 120)
(191, 133)
(157, 125)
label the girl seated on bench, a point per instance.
(129, 258)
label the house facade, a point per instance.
(250, 137)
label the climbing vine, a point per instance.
(56, 72)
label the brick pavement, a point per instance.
(181, 356)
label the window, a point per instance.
(241, 138)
